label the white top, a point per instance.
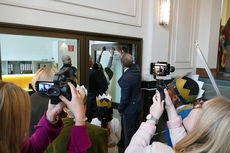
(115, 135)
(140, 142)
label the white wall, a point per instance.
(208, 31)
(33, 48)
(191, 19)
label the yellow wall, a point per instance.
(22, 81)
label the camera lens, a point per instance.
(53, 91)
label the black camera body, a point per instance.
(161, 69)
(58, 87)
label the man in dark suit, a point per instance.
(130, 103)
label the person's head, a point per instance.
(66, 59)
(104, 109)
(44, 74)
(112, 48)
(186, 89)
(97, 66)
(14, 117)
(126, 60)
(212, 131)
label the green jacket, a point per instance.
(98, 137)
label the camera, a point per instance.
(161, 69)
(58, 87)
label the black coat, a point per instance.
(130, 83)
(39, 106)
(97, 85)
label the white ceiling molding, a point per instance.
(102, 10)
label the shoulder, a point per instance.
(96, 130)
(161, 148)
(115, 120)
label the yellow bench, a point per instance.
(22, 80)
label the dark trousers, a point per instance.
(131, 123)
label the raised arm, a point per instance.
(79, 140)
(177, 131)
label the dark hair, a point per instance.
(127, 59)
(105, 116)
(97, 66)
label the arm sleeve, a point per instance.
(176, 130)
(168, 136)
(116, 135)
(125, 95)
(45, 134)
(109, 65)
(79, 140)
(99, 59)
(141, 139)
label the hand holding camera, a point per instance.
(157, 107)
(161, 69)
(53, 111)
(168, 101)
(58, 87)
(76, 105)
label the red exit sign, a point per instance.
(71, 48)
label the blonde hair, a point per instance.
(14, 117)
(212, 132)
(44, 74)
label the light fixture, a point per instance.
(164, 13)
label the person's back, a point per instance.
(130, 102)
(39, 105)
(98, 137)
(115, 133)
(97, 85)
(106, 120)
(132, 78)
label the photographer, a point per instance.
(15, 116)
(97, 135)
(210, 133)
(38, 103)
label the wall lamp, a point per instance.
(164, 14)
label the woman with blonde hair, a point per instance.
(14, 122)
(212, 132)
(39, 104)
(44, 74)
(209, 132)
